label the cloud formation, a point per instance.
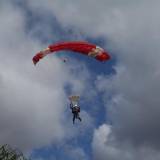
(105, 146)
(32, 99)
(132, 31)
(132, 34)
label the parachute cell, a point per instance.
(75, 46)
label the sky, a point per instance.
(119, 99)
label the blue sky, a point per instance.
(119, 99)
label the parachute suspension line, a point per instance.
(74, 100)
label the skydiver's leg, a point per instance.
(74, 116)
(78, 117)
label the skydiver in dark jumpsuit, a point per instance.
(75, 110)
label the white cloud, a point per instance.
(95, 18)
(75, 153)
(134, 107)
(32, 99)
(105, 146)
(132, 32)
(137, 78)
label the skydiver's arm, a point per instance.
(78, 109)
(71, 106)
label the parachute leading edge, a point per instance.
(76, 46)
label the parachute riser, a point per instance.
(74, 100)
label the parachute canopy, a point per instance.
(82, 47)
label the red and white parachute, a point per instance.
(82, 47)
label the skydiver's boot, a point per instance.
(80, 118)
